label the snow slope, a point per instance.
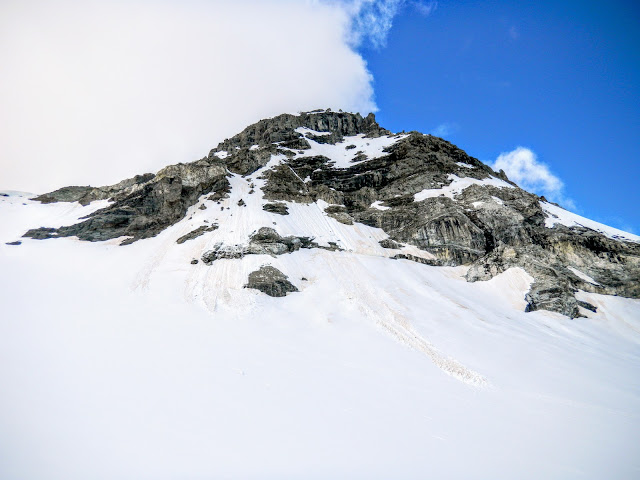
(558, 215)
(130, 362)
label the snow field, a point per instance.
(129, 362)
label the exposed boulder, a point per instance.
(271, 281)
(339, 213)
(266, 241)
(388, 243)
(276, 207)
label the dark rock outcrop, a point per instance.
(197, 232)
(339, 213)
(271, 281)
(144, 210)
(388, 243)
(86, 195)
(276, 207)
(266, 241)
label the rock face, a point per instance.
(266, 241)
(139, 210)
(421, 190)
(271, 281)
(86, 195)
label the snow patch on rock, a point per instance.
(456, 187)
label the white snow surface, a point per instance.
(556, 214)
(378, 205)
(129, 362)
(464, 165)
(343, 157)
(456, 187)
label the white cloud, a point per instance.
(444, 129)
(425, 8)
(522, 167)
(372, 19)
(92, 92)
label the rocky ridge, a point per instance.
(421, 190)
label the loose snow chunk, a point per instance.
(464, 165)
(254, 147)
(378, 205)
(344, 158)
(222, 155)
(308, 131)
(457, 186)
(559, 215)
(583, 276)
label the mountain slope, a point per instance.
(382, 361)
(420, 190)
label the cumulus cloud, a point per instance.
(92, 92)
(522, 166)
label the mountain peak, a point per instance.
(431, 202)
(281, 129)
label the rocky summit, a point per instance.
(435, 204)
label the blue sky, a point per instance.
(559, 78)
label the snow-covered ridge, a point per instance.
(558, 215)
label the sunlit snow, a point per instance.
(130, 362)
(456, 187)
(343, 157)
(558, 215)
